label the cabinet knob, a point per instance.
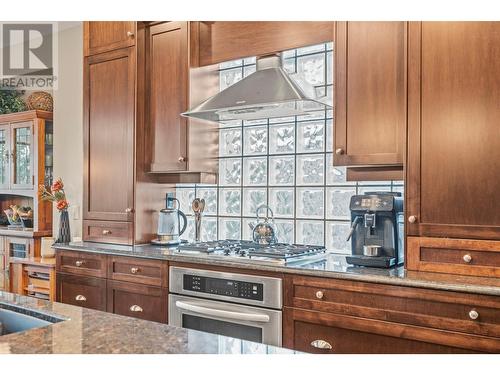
(181, 159)
(467, 258)
(339, 151)
(130, 34)
(319, 294)
(134, 270)
(106, 232)
(129, 210)
(412, 219)
(80, 298)
(321, 344)
(473, 314)
(136, 308)
(79, 263)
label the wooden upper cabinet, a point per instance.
(167, 80)
(453, 130)
(370, 107)
(103, 36)
(109, 135)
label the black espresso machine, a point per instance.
(377, 233)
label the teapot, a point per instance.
(263, 232)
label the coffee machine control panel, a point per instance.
(371, 203)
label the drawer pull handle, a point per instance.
(106, 232)
(129, 210)
(321, 344)
(467, 258)
(473, 314)
(136, 308)
(79, 263)
(319, 294)
(80, 298)
(134, 270)
(412, 219)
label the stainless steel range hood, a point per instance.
(269, 92)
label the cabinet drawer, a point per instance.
(142, 271)
(108, 231)
(421, 307)
(457, 256)
(81, 263)
(138, 301)
(81, 291)
(316, 332)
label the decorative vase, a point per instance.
(64, 232)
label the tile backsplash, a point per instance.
(285, 163)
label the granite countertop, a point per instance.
(333, 266)
(86, 331)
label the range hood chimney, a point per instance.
(269, 92)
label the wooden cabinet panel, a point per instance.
(103, 36)
(81, 291)
(453, 139)
(167, 77)
(108, 231)
(81, 263)
(370, 110)
(109, 80)
(138, 301)
(224, 41)
(306, 330)
(141, 271)
(414, 306)
(450, 255)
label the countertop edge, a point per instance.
(379, 279)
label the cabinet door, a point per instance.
(22, 155)
(138, 301)
(370, 110)
(109, 135)
(103, 36)
(17, 247)
(81, 291)
(453, 134)
(315, 332)
(167, 70)
(4, 156)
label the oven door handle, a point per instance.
(222, 313)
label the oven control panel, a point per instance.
(223, 287)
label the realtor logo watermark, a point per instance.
(29, 55)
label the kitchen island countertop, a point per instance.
(333, 266)
(86, 331)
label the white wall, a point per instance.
(68, 124)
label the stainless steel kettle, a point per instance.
(264, 232)
(169, 227)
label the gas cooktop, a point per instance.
(281, 253)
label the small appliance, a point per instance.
(169, 228)
(376, 230)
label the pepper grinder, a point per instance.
(198, 206)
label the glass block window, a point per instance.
(285, 163)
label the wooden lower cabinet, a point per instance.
(137, 301)
(318, 332)
(88, 292)
(456, 256)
